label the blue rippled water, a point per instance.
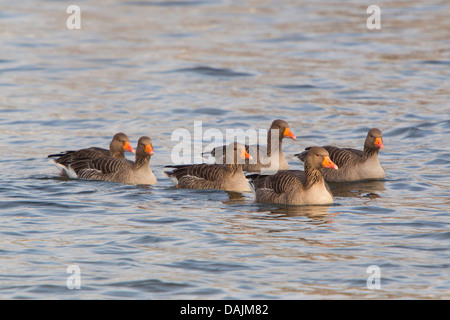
(152, 67)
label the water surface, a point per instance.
(151, 67)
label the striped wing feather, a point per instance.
(99, 167)
(207, 172)
(65, 158)
(340, 156)
(280, 183)
(343, 156)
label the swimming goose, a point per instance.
(355, 165)
(295, 187)
(107, 168)
(227, 175)
(117, 147)
(270, 157)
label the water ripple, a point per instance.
(214, 72)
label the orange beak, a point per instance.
(327, 163)
(245, 155)
(127, 147)
(288, 133)
(149, 149)
(379, 143)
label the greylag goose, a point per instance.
(355, 165)
(117, 147)
(270, 157)
(107, 168)
(295, 187)
(227, 176)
